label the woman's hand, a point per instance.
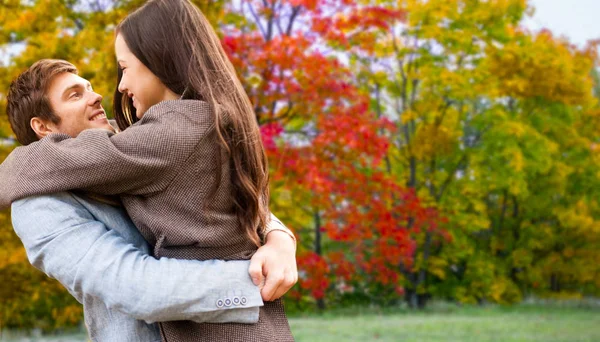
(276, 261)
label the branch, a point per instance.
(278, 21)
(270, 20)
(295, 12)
(257, 19)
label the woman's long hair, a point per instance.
(177, 43)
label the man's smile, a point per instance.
(98, 115)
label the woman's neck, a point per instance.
(169, 95)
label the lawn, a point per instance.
(441, 322)
(547, 323)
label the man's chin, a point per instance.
(109, 127)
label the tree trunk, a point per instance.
(554, 283)
(318, 250)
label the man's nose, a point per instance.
(95, 99)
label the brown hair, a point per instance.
(176, 42)
(27, 98)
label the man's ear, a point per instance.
(42, 127)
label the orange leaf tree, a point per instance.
(326, 148)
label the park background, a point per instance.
(435, 159)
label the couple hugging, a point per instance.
(160, 224)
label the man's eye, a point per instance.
(75, 95)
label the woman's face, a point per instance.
(138, 82)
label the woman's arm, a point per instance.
(142, 159)
(276, 224)
(275, 262)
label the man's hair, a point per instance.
(27, 97)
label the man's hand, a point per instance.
(276, 260)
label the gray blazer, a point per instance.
(163, 167)
(96, 252)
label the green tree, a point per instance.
(489, 124)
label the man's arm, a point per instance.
(65, 241)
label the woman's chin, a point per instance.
(139, 113)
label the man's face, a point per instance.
(77, 105)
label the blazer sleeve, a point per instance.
(66, 242)
(142, 159)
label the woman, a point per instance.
(189, 163)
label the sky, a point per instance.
(577, 20)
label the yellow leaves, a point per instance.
(423, 13)
(449, 77)
(479, 207)
(472, 222)
(408, 116)
(378, 77)
(432, 140)
(589, 124)
(497, 290)
(438, 267)
(68, 315)
(513, 128)
(595, 153)
(543, 234)
(254, 80)
(515, 187)
(569, 252)
(17, 23)
(5, 130)
(516, 160)
(10, 256)
(426, 198)
(12, 252)
(462, 294)
(385, 46)
(580, 217)
(521, 258)
(459, 24)
(542, 66)
(437, 132)
(504, 291)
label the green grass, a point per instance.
(547, 322)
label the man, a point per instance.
(92, 247)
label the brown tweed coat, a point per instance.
(163, 167)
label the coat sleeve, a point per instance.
(142, 159)
(66, 242)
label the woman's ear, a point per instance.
(42, 127)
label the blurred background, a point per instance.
(438, 160)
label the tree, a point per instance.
(326, 148)
(480, 107)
